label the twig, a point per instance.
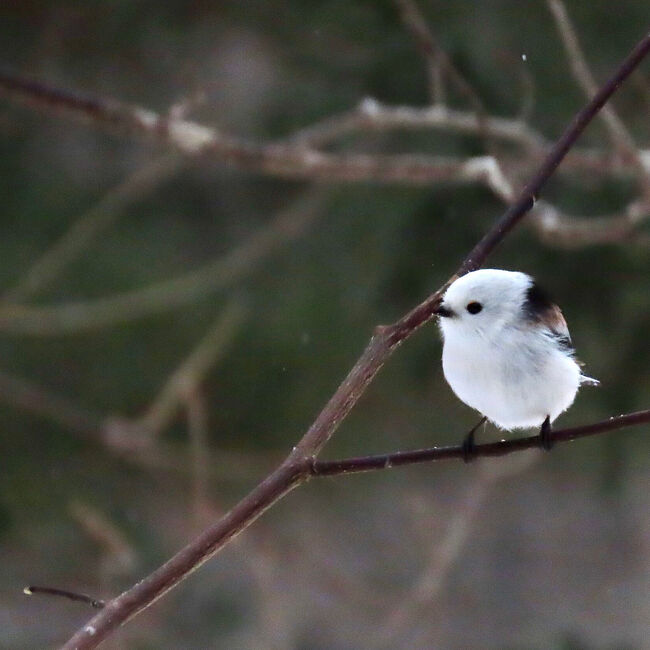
(426, 43)
(561, 230)
(530, 192)
(372, 114)
(197, 427)
(117, 554)
(298, 466)
(64, 593)
(294, 157)
(167, 295)
(618, 133)
(489, 449)
(225, 464)
(89, 226)
(439, 62)
(192, 370)
(435, 55)
(445, 551)
(190, 138)
(35, 399)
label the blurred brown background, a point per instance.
(170, 326)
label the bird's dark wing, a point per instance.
(541, 310)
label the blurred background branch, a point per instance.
(171, 294)
(46, 270)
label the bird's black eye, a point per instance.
(474, 307)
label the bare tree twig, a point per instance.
(426, 43)
(64, 593)
(224, 464)
(197, 426)
(489, 449)
(561, 230)
(439, 63)
(167, 295)
(89, 226)
(445, 551)
(372, 114)
(295, 157)
(619, 135)
(433, 54)
(193, 139)
(300, 462)
(192, 370)
(118, 556)
(35, 399)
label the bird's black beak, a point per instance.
(444, 312)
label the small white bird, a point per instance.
(507, 351)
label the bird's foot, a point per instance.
(546, 435)
(469, 446)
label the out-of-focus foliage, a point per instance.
(557, 556)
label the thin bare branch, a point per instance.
(560, 230)
(197, 427)
(192, 370)
(417, 26)
(371, 114)
(119, 436)
(89, 226)
(455, 452)
(167, 295)
(193, 139)
(618, 133)
(118, 555)
(434, 54)
(64, 593)
(23, 394)
(445, 552)
(300, 463)
(295, 157)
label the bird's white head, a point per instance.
(481, 303)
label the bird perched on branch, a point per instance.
(507, 352)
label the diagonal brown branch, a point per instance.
(298, 465)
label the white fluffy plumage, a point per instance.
(507, 351)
